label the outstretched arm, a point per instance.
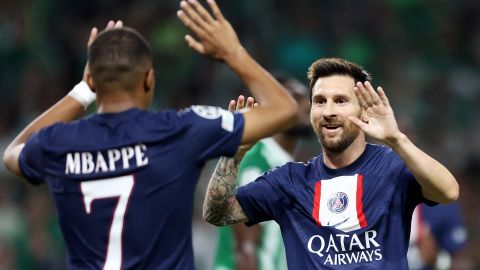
(216, 38)
(438, 184)
(67, 109)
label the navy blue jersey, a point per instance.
(123, 183)
(356, 217)
(446, 225)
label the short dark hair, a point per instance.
(118, 57)
(325, 67)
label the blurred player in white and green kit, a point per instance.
(261, 246)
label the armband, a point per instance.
(83, 94)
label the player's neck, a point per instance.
(286, 142)
(114, 108)
(118, 102)
(337, 160)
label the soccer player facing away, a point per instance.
(351, 206)
(261, 246)
(123, 179)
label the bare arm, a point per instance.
(438, 184)
(218, 40)
(247, 240)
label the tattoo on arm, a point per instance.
(221, 207)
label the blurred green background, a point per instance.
(425, 54)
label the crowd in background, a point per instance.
(424, 53)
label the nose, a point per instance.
(330, 110)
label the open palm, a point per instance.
(216, 36)
(239, 105)
(380, 123)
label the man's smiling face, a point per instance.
(333, 100)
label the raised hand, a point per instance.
(240, 104)
(216, 37)
(93, 34)
(379, 122)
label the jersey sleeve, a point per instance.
(263, 199)
(213, 131)
(31, 158)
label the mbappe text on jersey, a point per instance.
(121, 158)
(342, 249)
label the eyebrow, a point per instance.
(316, 96)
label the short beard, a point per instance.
(350, 133)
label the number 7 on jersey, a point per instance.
(120, 187)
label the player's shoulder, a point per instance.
(165, 119)
(292, 166)
(299, 167)
(289, 172)
(385, 164)
(59, 131)
(377, 149)
(381, 156)
(63, 131)
(161, 117)
(204, 112)
(290, 178)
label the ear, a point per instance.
(90, 82)
(149, 82)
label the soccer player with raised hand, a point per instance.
(217, 38)
(351, 206)
(123, 179)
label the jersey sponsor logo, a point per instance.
(209, 112)
(338, 203)
(344, 249)
(107, 161)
